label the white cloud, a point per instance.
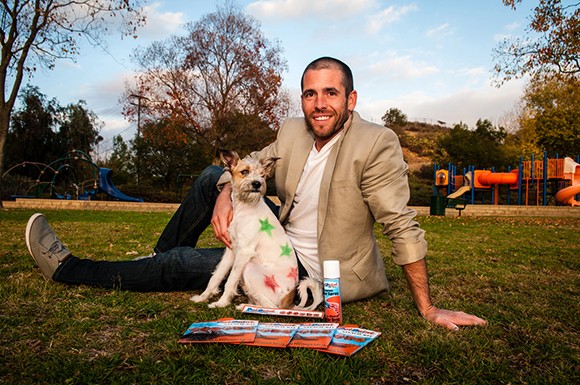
(104, 92)
(114, 125)
(400, 67)
(387, 16)
(465, 105)
(473, 71)
(471, 76)
(102, 97)
(160, 25)
(482, 103)
(293, 9)
(501, 36)
(512, 26)
(67, 64)
(439, 32)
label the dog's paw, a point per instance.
(219, 303)
(198, 298)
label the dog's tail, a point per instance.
(315, 288)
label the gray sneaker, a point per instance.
(46, 249)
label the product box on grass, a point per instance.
(322, 336)
(348, 340)
(224, 330)
(274, 334)
(313, 335)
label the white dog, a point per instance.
(261, 258)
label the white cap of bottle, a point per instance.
(331, 269)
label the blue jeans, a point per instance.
(177, 265)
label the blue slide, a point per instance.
(106, 185)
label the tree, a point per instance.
(42, 131)
(394, 117)
(245, 133)
(481, 148)
(120, 161)
(79, 129)
(222, 67)
(552, 113)
(32, 136)
(165, 152)
(551, 44)
(485, 130)
(35, 33)
(521, 137)
(455, 147)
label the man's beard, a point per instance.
(338, 126)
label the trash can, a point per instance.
(437, 205)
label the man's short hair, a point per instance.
(327, 62)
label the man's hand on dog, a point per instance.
(223, 214)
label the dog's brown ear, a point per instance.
(268, 164)
(230, 158)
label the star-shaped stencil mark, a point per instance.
(293, 273)
(270, 281)
(266, 227)
(286, 250)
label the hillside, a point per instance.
(418, 141)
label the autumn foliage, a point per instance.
(551, 44)
(219, 85)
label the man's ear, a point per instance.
(230, 158)
(268, 164)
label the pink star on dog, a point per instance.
(293, 273)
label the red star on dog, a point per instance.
(293, 273)
(270, 281)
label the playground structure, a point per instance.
(74, 176)
(534, 182)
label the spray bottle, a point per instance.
(332, 301)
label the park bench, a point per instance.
(457, 204)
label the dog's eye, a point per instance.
(244, 172)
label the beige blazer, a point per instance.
(365, 181)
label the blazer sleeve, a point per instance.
(385, 188)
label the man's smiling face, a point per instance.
(325, 104)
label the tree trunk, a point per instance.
(4, 124)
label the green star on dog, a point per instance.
(286, 250)
(266, 227)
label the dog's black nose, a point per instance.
(256, 185)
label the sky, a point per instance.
(432, 59)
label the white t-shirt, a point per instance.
(303, 219)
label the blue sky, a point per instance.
(432, 59)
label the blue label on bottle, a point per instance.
(332, 302)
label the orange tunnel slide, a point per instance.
(566, 196)
(485, 178)
(571, 172)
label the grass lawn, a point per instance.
(521, 274)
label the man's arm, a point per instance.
(223, 213)
(385, 187)
(417, 278)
